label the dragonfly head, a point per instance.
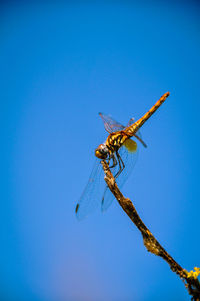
(102, 152)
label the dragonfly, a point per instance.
(120, 150)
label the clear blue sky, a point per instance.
(60, 64)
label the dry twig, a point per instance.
(152, 245)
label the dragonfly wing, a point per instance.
(129, 159)
(90, 197)
(110, 124)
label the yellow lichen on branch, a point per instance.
(193, 274)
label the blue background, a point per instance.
(60, 64)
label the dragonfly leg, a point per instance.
(114, 161)
(121, 167)
(108, 160)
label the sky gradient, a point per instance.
(61, 64)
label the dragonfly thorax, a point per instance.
(102, 151)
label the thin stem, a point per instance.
(152, 245)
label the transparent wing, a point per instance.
(129, 159)
(110, 124)
(91, 197)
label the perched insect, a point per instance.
(120, 151)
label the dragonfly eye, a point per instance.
(102, 151)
